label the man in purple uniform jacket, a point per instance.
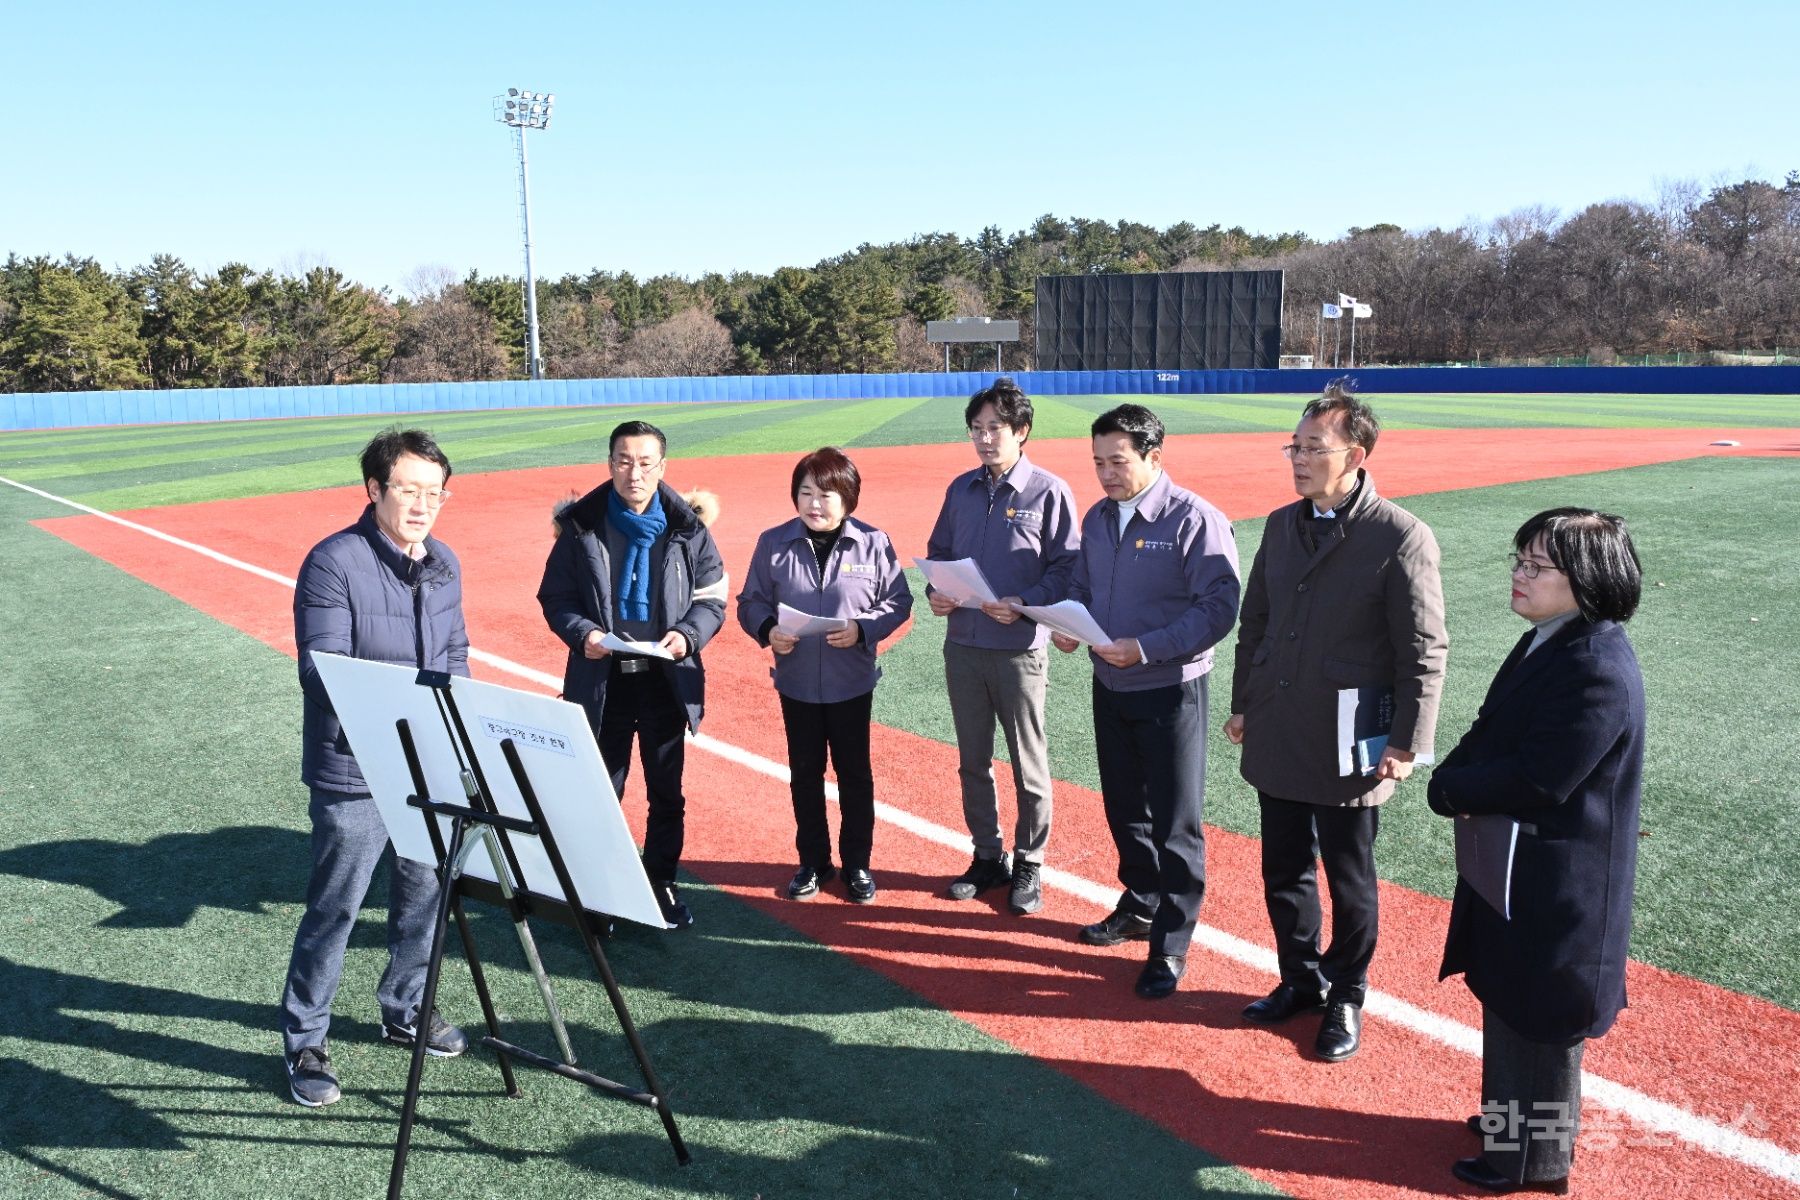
(1158, 569)
(1017, 522)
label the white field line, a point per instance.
(1645, 1111)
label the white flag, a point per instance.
(1331, 312)
(1345, 301)
(1362, 310)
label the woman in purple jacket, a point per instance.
(824, 564)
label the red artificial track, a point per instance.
(1386, 1123)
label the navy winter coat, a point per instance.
(359, 596)
(1558, 745)
(577, 596)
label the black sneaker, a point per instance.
(806, 881)
(1027, 889)
(860, 884)
(442, 1040)
(311, 1079)
(983, 873)
(669, 900)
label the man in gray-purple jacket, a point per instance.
(1017, 522)
(1159, 572)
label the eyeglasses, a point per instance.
(979, 432)
(1530, 567)
(646, 465)
(1298, 453)
(411, 493)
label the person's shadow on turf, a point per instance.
(163, 882)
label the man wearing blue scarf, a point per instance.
(633, 559)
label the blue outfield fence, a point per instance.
(63, 410)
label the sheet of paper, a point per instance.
(619, 645)
(960, 579)
(1069, 618)
(795, 623)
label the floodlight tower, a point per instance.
(522, 111)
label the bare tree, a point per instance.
(913, 351)
(582, 338)
(444, 336)
(691, 342)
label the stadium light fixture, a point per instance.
(520, 111)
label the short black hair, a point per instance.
(1361, 424)
(1134, 420)
(1594, 550)
(832, 470)
(637, 429)
(1011, 405)
(386, 447)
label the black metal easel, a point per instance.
(492, 830)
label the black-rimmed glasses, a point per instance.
(1530, 567)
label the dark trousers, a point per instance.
(1293, 834)
(842, 728)
(1530, 1102)
(1151, 747)
(349, 839)
(645, 705)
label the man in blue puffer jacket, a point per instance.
(383, 590)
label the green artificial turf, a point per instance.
(147, 466)
(1722, 773)
(152, 876)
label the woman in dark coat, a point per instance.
(1556, 753)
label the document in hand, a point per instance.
(1484, 857)
(960, 579)
(1069, 618)
(1365, 718)
(619, 645)
(795, 623)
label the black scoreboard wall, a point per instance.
(1170, 321)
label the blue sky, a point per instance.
(696, 136)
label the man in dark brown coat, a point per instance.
(1343, 594)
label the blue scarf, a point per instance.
(634, 574)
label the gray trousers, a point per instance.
(348, 840)
(1007, 686)
(1530, 1102)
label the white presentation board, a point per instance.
(560, 759)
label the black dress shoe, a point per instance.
(668, 899)
(807, 880)
(1284, 1002)
(860, 884)
(1160, 976)
(1340, 1033)
(1119, 927)
(1477, 1171)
